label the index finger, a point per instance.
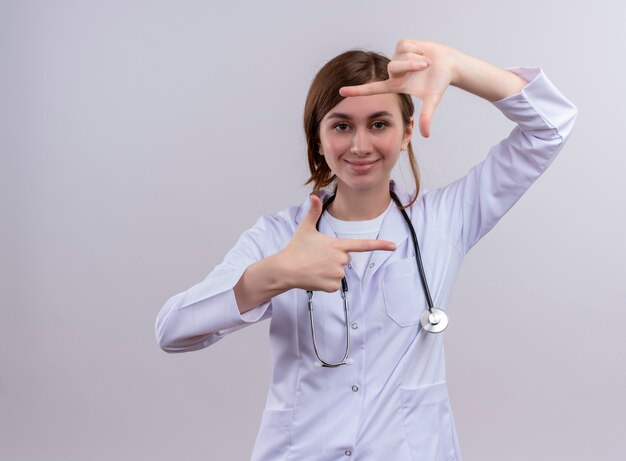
(367, 89)
(366, 245)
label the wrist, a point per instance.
(284, 275)
(484, 79)
(458, 61)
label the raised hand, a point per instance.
(315, 261)
(421, 68)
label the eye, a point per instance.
(341, 127)
(379, 125)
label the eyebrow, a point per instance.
(382, 113)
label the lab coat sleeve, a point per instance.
(468, 208)
(206, 312)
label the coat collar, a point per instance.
(323, 194)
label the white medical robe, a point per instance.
(392, 402)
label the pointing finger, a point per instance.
(366, 245)
(397, 68)
(367, 89)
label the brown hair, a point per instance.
(354, 67)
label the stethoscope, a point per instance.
(433, 320)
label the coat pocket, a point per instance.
(428, 423)
(274, 438)
(403, 292)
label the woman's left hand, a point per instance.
(420, 68)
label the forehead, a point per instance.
(363, 106)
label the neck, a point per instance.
(360, 205)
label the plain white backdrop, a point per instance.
(128, 127)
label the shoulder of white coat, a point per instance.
(430, 212)
(421, 210)
(282, 222)
(270, 233)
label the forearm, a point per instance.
(260, 282)
(484, 79)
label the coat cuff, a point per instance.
(539, 105)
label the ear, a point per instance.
(320, 149)
(408, 134)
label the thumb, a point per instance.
(426, 114)
(315, 210)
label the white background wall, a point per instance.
(127, 127)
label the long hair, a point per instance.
(354, 67)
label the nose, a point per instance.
(361, 143)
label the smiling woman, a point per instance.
(361, 140)
(334, 125)
(359, 229)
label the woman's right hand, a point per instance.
(314, 261)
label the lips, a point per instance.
(361, 167)
(361, 163)
(368, 163)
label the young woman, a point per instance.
(358, 366)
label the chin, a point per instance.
(363, 182)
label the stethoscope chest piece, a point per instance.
(434, 321)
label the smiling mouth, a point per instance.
(362, 167)
(362, 164)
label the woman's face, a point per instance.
(361, 139)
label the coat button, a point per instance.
(355, 388)
(355, 325)
(349, 266)
(348, 453)
(371, 265)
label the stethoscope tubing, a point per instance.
(433, 320)
(346, 309)
(418, 254)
